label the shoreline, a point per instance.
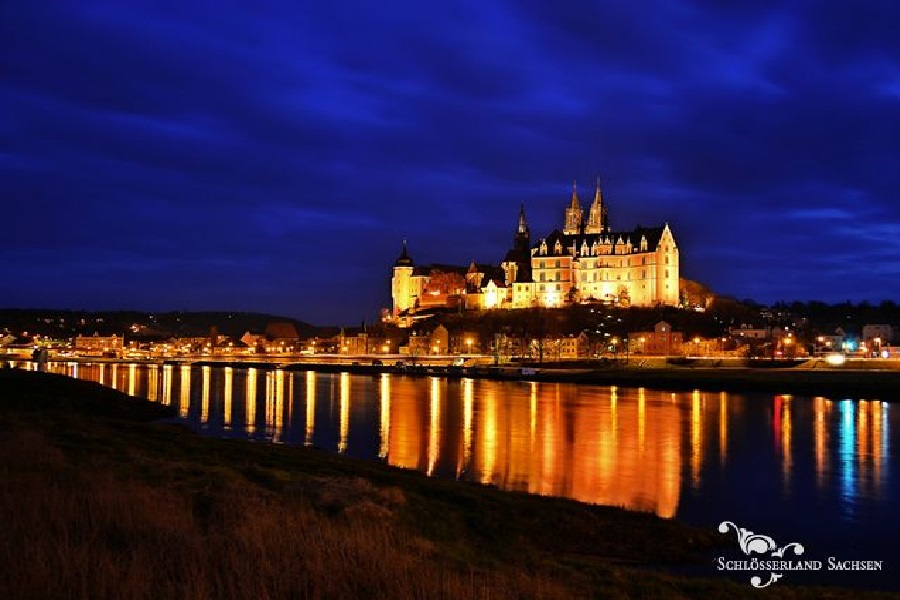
(804, 379)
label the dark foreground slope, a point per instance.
(99, 500)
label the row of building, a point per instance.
(660, 340)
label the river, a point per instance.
(819, 471)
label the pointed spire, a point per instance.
(597, 220)
(574, 214)
(404, 260)
(598, 197)
(523, 224)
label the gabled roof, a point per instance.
(278, 330)
(613, 238)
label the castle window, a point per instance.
(595, 277)
(557, 263)
(643, 260)
(543, 276)
(667, 272)
(558, 287)
(667, 260)
(584, 277)
(557, 249)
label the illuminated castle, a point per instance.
(585, 262)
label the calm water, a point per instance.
(819, 471)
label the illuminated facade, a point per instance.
(98, 343)
(584, 262)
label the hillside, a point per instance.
(57, 323)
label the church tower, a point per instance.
(598, 220)
(517, 264)
(522, 246)
(522, 240)
(574, 214)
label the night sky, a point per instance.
(194, 156)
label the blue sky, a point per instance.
(196, 156)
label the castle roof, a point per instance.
(613, 238)
(404, 260)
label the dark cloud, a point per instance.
(272, 158)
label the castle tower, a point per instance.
(598, 220)
(401, 283)
(574, 214)
(517, 264)
(522, 247)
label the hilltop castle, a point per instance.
(585, 262)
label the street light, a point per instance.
(469, 345)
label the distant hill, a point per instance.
(138, 325)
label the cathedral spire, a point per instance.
(575, 203)
(523, 224)
(574, 214)
(597, 220)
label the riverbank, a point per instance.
(798, 380)
(100, 499)
(871, 380)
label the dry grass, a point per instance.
(76, 534)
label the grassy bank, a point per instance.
(98, 499)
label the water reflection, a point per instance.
(310, 407)
(637, 448)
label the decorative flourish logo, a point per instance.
(754, 543)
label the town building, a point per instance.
(882, 332)
(98, 344)
(662, 341)
(584, 262)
